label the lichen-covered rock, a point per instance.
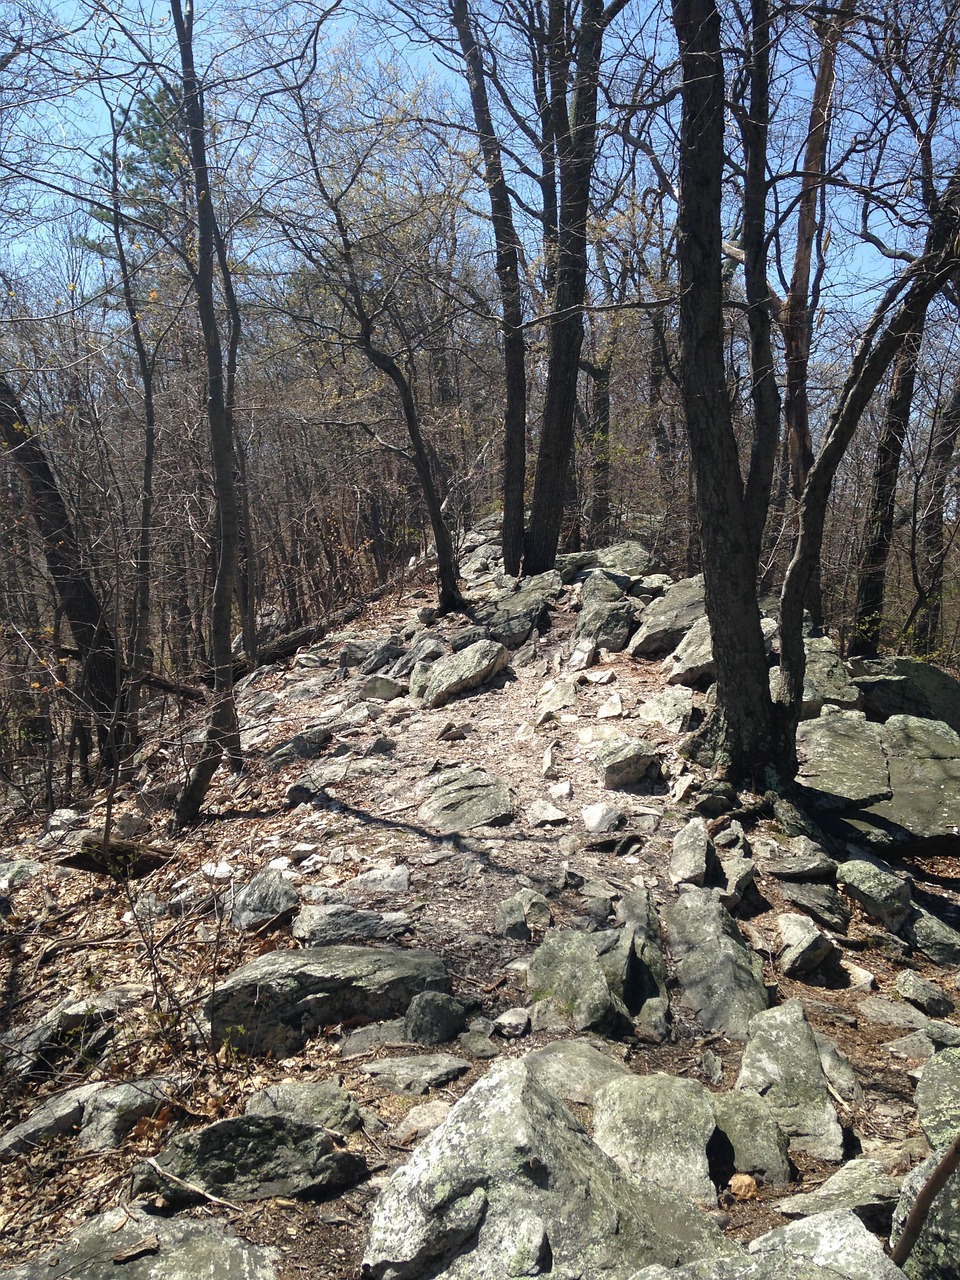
(876, 886)
(837, 1242)
(667, 620)
(938, 1098)
(460, 672)
(861, 1186)
(625, 761)
(460, 798)
(759, 1145)
(566, 970)
(576, 1070)
(321, 1102)
(936, 1253)
(802, 946)
(693, 854)
(511, 1185)
(269, 895)
(781, 1063)
(842, 760)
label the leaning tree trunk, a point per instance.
(98, 687)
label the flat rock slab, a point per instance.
(721, 979)
(837, 1242)
(510, 1184)
(250, 1157)
(576, 1070)
(842, 761)
(797, 859)
(861, 1185)
(136, 1245)
(333, 922)
(416, 1075)
(458, 799)
(460, 672)
(656, 1128)
(926, 690)
(782, 1064)
(277, 1002)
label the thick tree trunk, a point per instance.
(741, 738)
(98, 686)
(871, 579)
(932, 547)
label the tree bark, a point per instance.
(925, 619)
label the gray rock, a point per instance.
(836, 1241)
(775, 1265)
(417, 1075)
(692, 659)
(600, 818)
(630, 558)
(891, 1013)
(557, 695)
(510, 1184)
(925, 995)
(657, 1128)
(820, 901)
(380, 688)
(625, 762)
(158, 1248)
(57, 1115)
(736, 874)
(278, 1001)
(876, 886)
(75, 1029)
(861, 1186)
(335, 922)
(320, 1102)
(796, 859)
(460, 672)
(460, 798)
(434, 1018)
(938, 1098)
(302, 746)
(520, 915)
(781, 1063)
(111, 1112)
(693, 854)
(936, 939)
(384, 655)
(936, 1253)
(672, 708)
(599, 586)
(511, 618)
(426, 648)
(721, 980)
(15, 874)
(512, 1024)
(251, 1157)
(759, 1145)
(269, 895)
(582, 655)
(667, 620)
(826, 681)
(607, 625)
(421, 1120)
(576, 1070)
(838, 1071)
(923, 690)
(567, 971)
(843, 761)
(380, 880)
(803, 946)
(478, 1045)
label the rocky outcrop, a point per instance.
(460, 798)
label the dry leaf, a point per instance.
(743, 1187)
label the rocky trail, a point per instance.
(471, 975)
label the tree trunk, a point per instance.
(871, 579)
(741, 737)
(98, 687)
(932, 547)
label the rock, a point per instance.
(838, 1071)
(630, 558)
(861, 1186)
(112, 1111)
(426, 648)
(576, 1070)
(302, 746)
(936, 1253)
(566, 970)
(826, 681)
(278, 1001)
(268, 896)
(460, 798)
(607, 625)
(667, 620)
(930, 692)
(691, 663)
(938, 1098)
(251, 1157)
(57, 1115)
(937, 940)
(557, 695)
(925, 995)
(625, 762)
(384, 655)
(510, 1184)
(736, 874)
(460, 672)
(15, 874)
(672, 708)
(320, 1102)
(721, 980)
(478, 1045)
(512, 1024)
(416, 1075)
(693, 854)
(543, 814)
(657, 1128)
(513, 616)
(891, 1013)
(775, 1265)
(821, 901)
(599, 818)
(876, 886)
(520, 915)
(380, 688)
(837, 1242)
(75, 1029)
(335, 922)
(158, 1249)
(781, 1063)
(759, 1144)
(802, 946)
(601, 587)
(433, 1018)
(842, 761)
(419, 1121)
(797, 859)
(380, 880)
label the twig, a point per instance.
(193, 1188)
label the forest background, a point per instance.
(292, 294)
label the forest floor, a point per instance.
(73, 934)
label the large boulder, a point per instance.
(510, 1184)
(511, 617)
(842, 760)
(278, 1001)
(836, 1242)
(909, 686)
(459, 672)
(460, 798)
(721, 979)
(782, 1064)
(667, 620)
(938, 1098)
(566, 970)
(936, 1253)
(826, 681)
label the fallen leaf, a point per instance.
(743, 1187)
